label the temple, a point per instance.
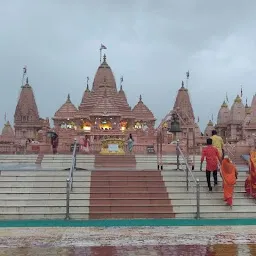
(237, 125)
(104, 113)
(189, 134)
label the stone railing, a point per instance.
(95, 148)
(230, 149)
(7, 148)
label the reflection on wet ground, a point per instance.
(149, 250)
(148, 241)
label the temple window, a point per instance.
(123, 125)
(68, 125)
(138, 125)
(63, 125)
(86, 126)
(105, 125)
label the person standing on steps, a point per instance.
(55, 143)
(229, 176)
(130, 143)
(212, 157)
(217, 142)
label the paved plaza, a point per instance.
(127, 241)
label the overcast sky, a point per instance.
(151, 43)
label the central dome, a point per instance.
(104, 77)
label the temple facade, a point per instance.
(190, 135)
(104, 112)
(237, 126)
(237, 123)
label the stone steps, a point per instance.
(41, 194)
(211, 203)
(101, 208)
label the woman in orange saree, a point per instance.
(229, 176)
(250, 183)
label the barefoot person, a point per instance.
(212, 157)
(229, 177)
(250, 183)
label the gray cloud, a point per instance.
(151, 43)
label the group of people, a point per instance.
(217, 160)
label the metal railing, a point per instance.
(69, 180)
(188, 172)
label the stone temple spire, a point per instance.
(26, 112)
(183, 104)
(104, 76)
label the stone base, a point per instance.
(115, 161)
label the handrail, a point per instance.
(189, 171)
(69, 180)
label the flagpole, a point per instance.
(100, 54)
(22, 81)
(187, 74)
(23, 75)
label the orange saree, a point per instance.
(229, 175)
(250, 183)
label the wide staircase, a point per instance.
(141, 192)
(115, 161)
(129, 194)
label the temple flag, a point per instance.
(103, 47)
(25, 70)
(187, 73)
(227, 97)
(122, 79)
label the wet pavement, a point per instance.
(148, 241)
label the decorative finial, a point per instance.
(68, 98)
(246, 102)
(182, 84)
(140, 98)
(121, 83)
(87, 83)
(27, 80)
(104, 58)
